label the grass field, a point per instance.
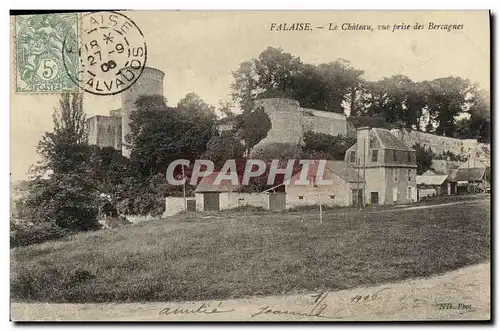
(236, 254)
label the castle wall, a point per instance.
(150, 83)
(105, 131)
(440, 144)
(324, 122)
(289, 121)
(116, 112)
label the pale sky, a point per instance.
(199, 50)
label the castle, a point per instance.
(289, 122)
(110, 131)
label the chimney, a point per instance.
(362, 140)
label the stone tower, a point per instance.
(150, 83)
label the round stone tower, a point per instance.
(286, 121)
(150, 83)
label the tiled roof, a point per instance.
(207, 184)
(469, 174)
(431, 179)
(339, 168)
(390, 141)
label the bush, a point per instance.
(24, 233)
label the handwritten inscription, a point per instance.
(368, 297)
(204, 308)
(317, 309)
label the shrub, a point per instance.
(24, 233)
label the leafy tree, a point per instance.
(447, 98)
(253, 126)
(424, 158)
(109, 168)
(160, 134)
(283, 152)
(222, 148)
(480, 115)
(334, 147)
(66, 199)
(276, 73)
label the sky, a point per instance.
(199, 50)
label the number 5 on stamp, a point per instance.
(39, 56)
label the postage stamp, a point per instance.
(112, 53)
(40, 63)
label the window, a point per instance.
(395, 174)
(409, 175)
(352, 157)
(409, 157)
(409, 192)
(301, 197)
(332, 197)
(375, 155)
(394, 155)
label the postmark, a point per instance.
(112, 53)
(40, 64)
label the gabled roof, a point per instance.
(469, 174)
(207, 184)
(341, 169)
(390, 141)
(431, 179)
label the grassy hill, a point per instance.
(235, 254)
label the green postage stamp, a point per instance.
(40, 63)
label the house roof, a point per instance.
(341, 169)
(431, 179)
(390, 141)
(469, 174)
(207, 184)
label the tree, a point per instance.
(223, 147)
(334, 147)
(283, 152)
(65, 149)
(277, 74)
(160, 134)
(424, 158)
(253, 126)
(67, 198)
(480, 115)
(447, 98)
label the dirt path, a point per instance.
(460, 294)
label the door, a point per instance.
(191, 205)
(395, 194)
(357, 197)
(277, 201)
(374, 198)
(211, 201)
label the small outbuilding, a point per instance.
(224, 195)
(472, 180)
(434, 185)
(346, 188)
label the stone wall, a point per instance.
(230, 200)
(104, 131)
(440, 144)
(289, 121)
(174, 205)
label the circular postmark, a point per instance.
(112, 53)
